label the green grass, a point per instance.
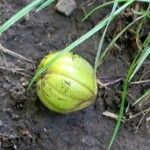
(98, 7)
(132, 70)
(80, 40)
(136, 64)
(117, 8)
(107, 4)
(103, 37)
(138, 61)
(114, 40)
(122, 105)
(134, 67)
(44, 5)
(39, 4)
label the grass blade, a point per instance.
(103, 37)
(104, 54)
(141, 59)
(147, 1)
(144, 97)
(87, 35)
(19, 15)
(131, 72)
(122, 105)
(98, 7)
(106, 4)
(45, 4)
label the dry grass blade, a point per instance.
(5, 50)
(112, 43)
(103, 36)
(145, 97)
(15, 71)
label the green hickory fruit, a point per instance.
(68, 84)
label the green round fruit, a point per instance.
(68, 84)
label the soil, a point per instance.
(24, 122)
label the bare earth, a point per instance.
(24, 122)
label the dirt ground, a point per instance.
(24, 122)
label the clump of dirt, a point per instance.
(24, 122)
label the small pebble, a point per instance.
(66, 7)
(15, 116)
(15, 146)
(89, 141)
(1, 123)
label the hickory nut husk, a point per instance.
(68, 84)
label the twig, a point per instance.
(140, 122)
(115, 116)
(148, 123)
(4, 58)
(5, 50)
(144, 74)
(88, 3)
(112, 115)
(16, 70)
(127, 108)
(140, 82)
(105, 85)
(140, 113)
